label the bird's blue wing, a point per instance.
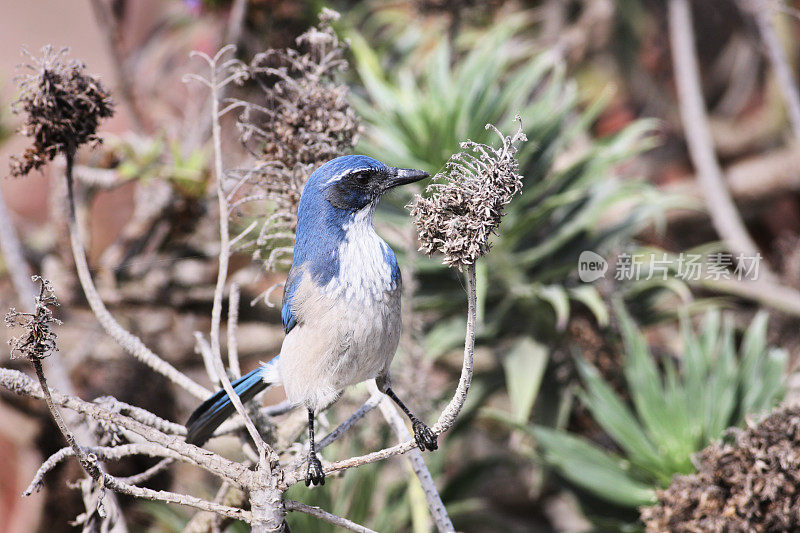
(287, 314)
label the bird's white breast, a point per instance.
(347, 330)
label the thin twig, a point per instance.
(202, 347)
(206, 522)
(233, 324)
(118, 485)
(105, 453)
(18, 269)
(722, 209)
(88, 464)
(371, 403)
(131, 343)
(764, 17)
(322, 514)
(219, 370)
(150, 473)
(434, 500)
(368, 406)
(448, 416)
(230, 471)
(113, 37)
(225, 249)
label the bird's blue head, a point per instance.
(353, 182)
(337, 195)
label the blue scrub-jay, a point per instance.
(341, 303)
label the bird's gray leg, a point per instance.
(315, 475)
(425, 437)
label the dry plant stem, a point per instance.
(772, 295)
(724, 216)
(148, 474)
(11, 248)
(19, 273)
(111, 34)
(292, 505)
(106, 453)
(120, 486)
(219, 368)
(208, 522)
(231, 471)
(89, 465)
(437, 508)
(224, 237)
(233, 33)
(763, 15)
(448, 416)
(124, 338)
(201, 347)
(233, 324)
(266, 498)
(360, 413)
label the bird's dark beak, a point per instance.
(403, 176)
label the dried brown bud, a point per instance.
(304, 120)
(64, 106)
(466, 201)
(39, 340)
(749, 484)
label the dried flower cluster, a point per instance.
(466, 201)
(64, 106)
(39, 340)
(305, 120)
(750, 484)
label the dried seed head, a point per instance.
(749, 484)
(64, 106)
(303, 121)
(39, 340)
(466, 201)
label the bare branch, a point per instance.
(18, 269)
(202, 347)
(113, 37)
(764, 15)
(724, 215)
(233, 323)
(120, 486)
(149, 473)
(448, 416)
(230, 471)
(292, 505)
(131, 343)
(437, 508)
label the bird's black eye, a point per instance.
(362, 178)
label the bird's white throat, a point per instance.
(365, 275)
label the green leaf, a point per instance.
(601, 473)
(588, 296)
(556, 296)
(524, 367)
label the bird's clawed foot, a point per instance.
(425, 437)
(315, 475)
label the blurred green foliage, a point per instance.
(158, 157)
(573, 198)
(675, 407)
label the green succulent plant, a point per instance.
(676, 407)
(573, 198)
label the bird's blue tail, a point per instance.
(218, 408)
